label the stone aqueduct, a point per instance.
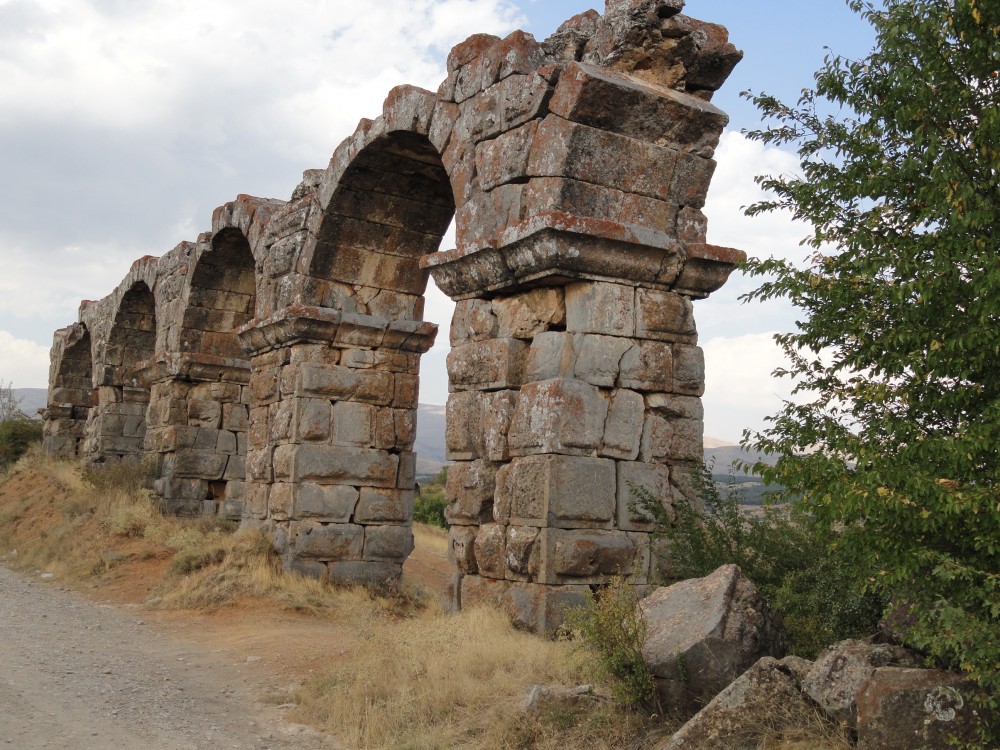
(272, 365)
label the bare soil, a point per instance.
(100, 669)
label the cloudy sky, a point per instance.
(123, 123)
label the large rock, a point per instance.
(915, 709)
(765, 698)
(841, 670)
(703, 633)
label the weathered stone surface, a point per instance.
(273, 364)
(839, 672)
(766, 697)
(705, 632)
(558, 416)
(914, 709)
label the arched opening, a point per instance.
(392, 206)
(122, 397)
(201, 410)
(222, 297)
(70, 399)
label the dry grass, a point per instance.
(456, 681)
(431, 538)
(409, 677)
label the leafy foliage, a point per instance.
(18, 431)
(430, 502)
(807, 572)
(896, 431)
(613, 627)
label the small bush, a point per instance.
(613, 627)
(806, 573)
(430, 502)
(16, 436)
(129, 475)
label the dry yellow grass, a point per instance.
(409, 677)
(430, 537)
(456, 681)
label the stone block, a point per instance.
(664, 316)
(558, 416)
(342, 383)
(200, 464)
(523, 553)
(913, 709)
(587, 556)
(525, 315)
(598, 358)
(363, 467)
(311, 419)
(600, 307)
(505, 158)
(647, 366)
(473, 320)
(487, 365)
(692, 176)
(353, 423)
(623, 427)
(321, 502)
(462, 421)
(689, 370)
(384, 506)
(550, 356)
(496, 417)
(469, 490)
(602, 99)
(407, 390)
(226, 442)
(654, 480)
(462, 548)
(490, 547)
(557, 491)
(281, 502)
(235, 417)
(566, 149)
(406, 478)
(255, 502)
(380, 575)
(388, 543)
(333, 541)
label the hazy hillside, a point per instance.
(31, 399)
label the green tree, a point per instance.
(895, 431)
(17, 430)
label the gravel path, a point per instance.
(84, 676)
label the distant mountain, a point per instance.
(31, 400)
(722, 457)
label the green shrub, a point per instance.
(612, 626)
(16, 436)
(430, 502)
(806, 573)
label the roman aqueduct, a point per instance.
(271, 366)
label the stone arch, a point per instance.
(123, 396)
(335, 374)
(222, 297)
(199, 401)
(71, 396)
(391, 207)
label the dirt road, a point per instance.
(76, 675)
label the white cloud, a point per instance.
(23, 364)
(739, 388)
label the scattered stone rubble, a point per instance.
(271, 366)
(704, 637)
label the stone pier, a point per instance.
(271, 367)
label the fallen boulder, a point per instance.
(764, 700)
(840, 671)
(915, 709)
(703, 633)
